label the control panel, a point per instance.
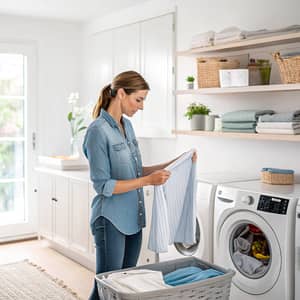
(272, 204)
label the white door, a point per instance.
(79, 216)
(61, 211)
(157, 52)
(17, 133)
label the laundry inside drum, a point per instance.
(250, 251)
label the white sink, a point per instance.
(63, 162)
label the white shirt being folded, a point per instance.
(136, 281)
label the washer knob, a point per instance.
(248, 200)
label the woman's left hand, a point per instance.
(194, 157)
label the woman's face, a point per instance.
(130, 104)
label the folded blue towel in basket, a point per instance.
(189, 275)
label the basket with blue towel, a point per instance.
(277, 176)
(185, 278)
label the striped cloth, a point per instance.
(174, 207)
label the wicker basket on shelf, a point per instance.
(289, 68)
(208, 70)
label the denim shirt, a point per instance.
(114, 157)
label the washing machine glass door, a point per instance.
(248, 244)
(188, 250)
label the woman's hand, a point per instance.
(194, 157)
(158, 177)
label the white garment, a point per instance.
(279, 125)
(174, 207)
(136, 281)
(278, 131)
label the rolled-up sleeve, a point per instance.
(95, 149)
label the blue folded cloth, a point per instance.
(278, 171)
(189, 275)
(281, 117)
(239, 125)
(244, 115)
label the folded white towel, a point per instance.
(279, 125)
(278, 131)
(136, 281)
(203, 39)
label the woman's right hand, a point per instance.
(159, 177)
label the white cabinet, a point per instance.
(64, 213)
(79, 216)
(146, 47)
(53, 208)
(45, 204)
(60, 211)
(147, 256)
(157, 68)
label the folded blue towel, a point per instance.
(189, 275)
(239, 125)
(278, 171)
(244, 115)
(281, 117)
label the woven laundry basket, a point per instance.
(289, 68)
(208, 70)
(216, 288)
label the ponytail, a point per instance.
(103, 101)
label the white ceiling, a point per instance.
(67, 10)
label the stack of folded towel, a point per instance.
(242, 120)
(280, 123)
(204, 39)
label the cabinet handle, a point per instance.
(54, 199)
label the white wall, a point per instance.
(220, 154)
(58, 47)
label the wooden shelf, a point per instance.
(258, 42)
(250, 136)
(244, 89)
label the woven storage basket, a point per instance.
(208, 70)
(209, 289)
(289, 68)
(277, 178)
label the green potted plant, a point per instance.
(190, 82)
(197, 113)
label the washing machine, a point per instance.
(297, 253)
(254, 234)
(206, 188)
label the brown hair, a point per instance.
(130, 81)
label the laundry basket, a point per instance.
(209, 289)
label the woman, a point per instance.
(118, 213)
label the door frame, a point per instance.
(21, 230)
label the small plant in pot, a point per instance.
(196, 113)
(190, 82)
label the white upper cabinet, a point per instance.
(126, 49)
(157, 49)
(146, 47)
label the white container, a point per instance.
(234, 77)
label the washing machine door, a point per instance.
(231, 227)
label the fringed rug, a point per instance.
(26, 281)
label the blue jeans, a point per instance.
(114, 250)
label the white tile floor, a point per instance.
(75, 276)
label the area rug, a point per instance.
(26, 281)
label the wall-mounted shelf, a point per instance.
(250, 136)
(244, 44)
(245, 89)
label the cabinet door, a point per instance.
(147, 256)
(157, 49)
(45, 200)
(126, 49)
(99, 64)
(92, 194)
(61, 213)
(79, 216)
